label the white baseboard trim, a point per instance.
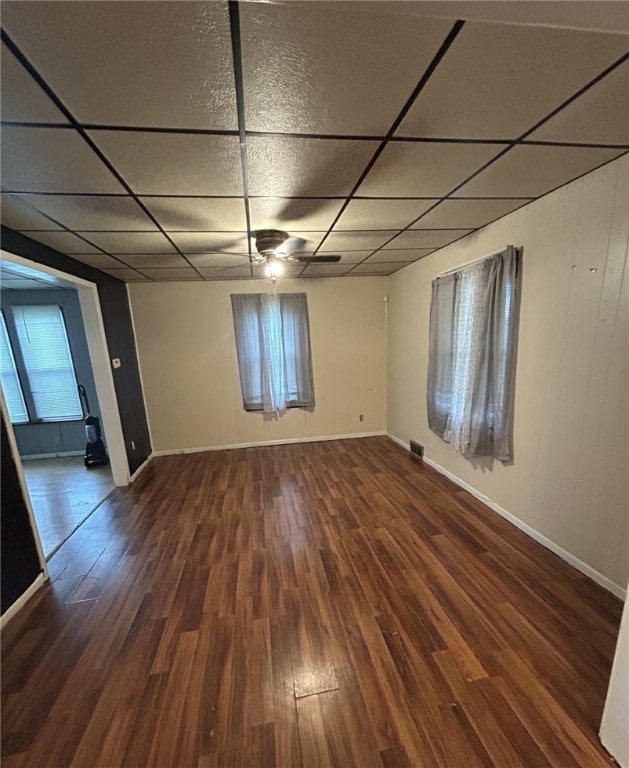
(397, 440)
(64, 454)
(141, 468)
(584, 568)
(17, 606)
(285, 441)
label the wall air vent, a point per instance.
(417, 449)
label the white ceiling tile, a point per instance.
(372, 268)
(426, 238)
(84, 212)
(99, 260)
(357, 241)
(130, 242)
(381, 214)
(292, 214)
(347, 257)
(217, 260)
(52, 160)
(132, 63)
(326, 270)
(152, 260)
(206, 242)
(183, 273)
(128, 275)
(173, 163)
(235, 273)
(600, 115)
(497, 80)
(22, 98)
(400, 255)
(315, 67)
(425, 169)
(462, 214)
(65, 242)
(305, 167)
(533, 170)
(198, 213)
(16, 215)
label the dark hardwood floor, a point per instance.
(63, 494)
(312, 605)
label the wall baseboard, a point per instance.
(142, 467)
(17, 606)
(285, 441)
(62, 455)
(584, 568)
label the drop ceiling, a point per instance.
(147, 139)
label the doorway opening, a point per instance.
(53, 340)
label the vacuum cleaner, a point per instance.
(95, 453)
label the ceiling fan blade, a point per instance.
(331, 259)
(290, 245)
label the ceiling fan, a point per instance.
(276, 247)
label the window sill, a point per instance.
(292, 406)
(46, 421)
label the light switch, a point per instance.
(115, 361)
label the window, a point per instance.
(11, 386)
(273, 347)
(45, 352)
(472, 355)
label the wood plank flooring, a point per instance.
(303, 606)
(63, 493)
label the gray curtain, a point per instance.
(273, 348)
(473, 334)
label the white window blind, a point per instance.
(10, 382)
(46, 353)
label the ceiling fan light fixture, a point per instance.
(273, 269)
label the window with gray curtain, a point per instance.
(273, 348)
(471, 369)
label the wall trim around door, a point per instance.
(17, 606)
(569, 558)
(99, 358)
(142, 467)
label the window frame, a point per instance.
(470, 393)
(22, 368)
(16, 369)
(253, 303)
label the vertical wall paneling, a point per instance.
(568, 479)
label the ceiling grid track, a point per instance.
(203, 238)
(501, 154)
(318, 136)
(71, 119)
(234, 27)
(456, 28)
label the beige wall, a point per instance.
(185, 337)
(569, 478)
